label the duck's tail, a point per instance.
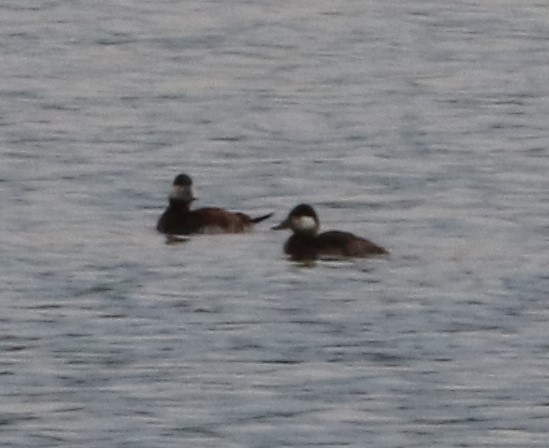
(262, 218)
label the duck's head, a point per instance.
(301, 219)
(182, 189)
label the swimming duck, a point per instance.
(179, 219)
(307, 244)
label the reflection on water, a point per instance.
(419, 125)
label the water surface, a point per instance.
(421, 125)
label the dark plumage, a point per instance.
(179, 219)
(307, 244)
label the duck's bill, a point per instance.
(283, 225)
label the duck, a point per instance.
(179, 219)
(306, 244)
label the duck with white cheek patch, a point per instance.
(179, 219)
(306, 244)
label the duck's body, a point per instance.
(307, 244)
(179, 219)
(209, 220)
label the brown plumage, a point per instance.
(307, 244)
(179, 219)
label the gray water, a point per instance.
(421, 125)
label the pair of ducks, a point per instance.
(304, 244)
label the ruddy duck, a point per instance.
(179, 219)
(307, 244)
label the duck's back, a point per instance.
(218, 220)
(208, 220)
(344, 244)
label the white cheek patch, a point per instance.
(304, 223)
(182, 192)
(177, 192)
(192, 194)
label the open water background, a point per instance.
(422, 125)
